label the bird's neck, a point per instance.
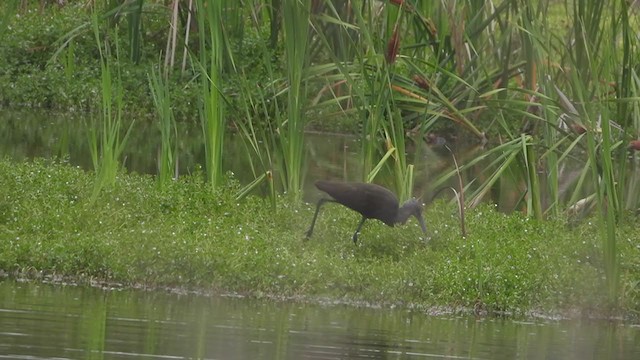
(407, 209)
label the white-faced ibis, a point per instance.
(371, 201)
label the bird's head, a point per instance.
(411, 207)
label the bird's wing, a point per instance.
(382, 204)
(351, 195)
(370, 200)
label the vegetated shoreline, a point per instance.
(435, 310)
(190, 238)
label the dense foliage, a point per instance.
(40, 69)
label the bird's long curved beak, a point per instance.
(421, 221)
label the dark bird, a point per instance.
(372, 201)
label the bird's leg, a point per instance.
(355, 234)
(313, 222)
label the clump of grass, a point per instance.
(189, 235)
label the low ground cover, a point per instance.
(186, 235)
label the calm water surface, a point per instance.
(31, 134)
(40, 321)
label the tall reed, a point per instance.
(209, 14)
(258, 134)
(393, 128)
(296, 28)
(134, 28)
(260, 109)
(69, 61)
(589, 123)
(160, 92)
(599, 61)
(361, 64)
(107, 144)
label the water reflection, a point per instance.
(30, 134)
(47, 321)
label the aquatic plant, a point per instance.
(167, 163)
(212, 115)
(105, 135)
(295, 19)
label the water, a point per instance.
(28, 134)
(40, 321)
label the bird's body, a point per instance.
(371, 201)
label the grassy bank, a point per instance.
(188, 236)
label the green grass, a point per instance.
(189, 236)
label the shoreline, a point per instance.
(138, 235)
(575, 314)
